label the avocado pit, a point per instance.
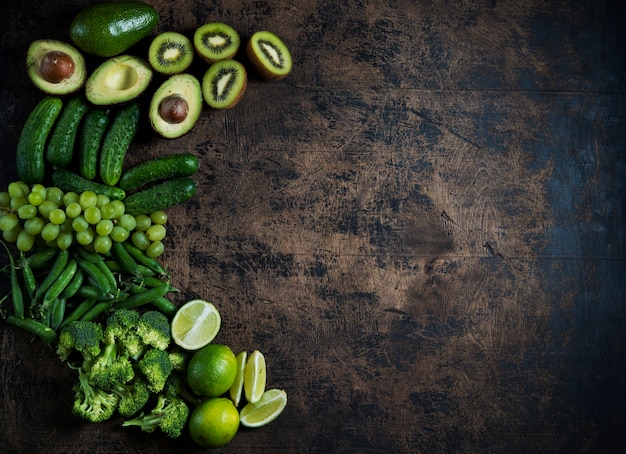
(56, 66)
(173, 109)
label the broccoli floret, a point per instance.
(132, 397)
(154, 329)
(111, 368)
(92, 403)
(169, 415)
(156, 367)
(176, 385)
(80, 336)
(179, 359)
(121, 328)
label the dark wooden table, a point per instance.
(422, 228)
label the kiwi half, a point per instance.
(170, 53)
(269, 55)
(224, 83)
(216, 41)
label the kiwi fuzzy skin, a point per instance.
(258, 64)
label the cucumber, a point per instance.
(89, 141)
(160, 196)
(163, 168)
(63, 137)
(31, 147)
(68, 180)
(117, 141)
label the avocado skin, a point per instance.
(107, 29)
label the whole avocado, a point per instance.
(106, 29)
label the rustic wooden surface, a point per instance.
(422, 228)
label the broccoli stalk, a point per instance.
(92, 403)
(111, 369)
(169, 416)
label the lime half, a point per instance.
(265, 410)
(195, 324)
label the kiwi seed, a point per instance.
(269, 55)
(170, 53)
(216, 41)
(224, 83)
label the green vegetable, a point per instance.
(45, 333)
(61, 282)
(162, 168)
(70, 181)
(60, 149)
(141, 257)
(92, 403)
(160, 196)
(94, 272)
(30, 152)
(106, 29)
(133, 397)
(169, 416)
(90, 138)
(155, 366)
(117, 141)
(111, 368)
(55, 271)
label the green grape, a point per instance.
(108, 211)
(142, 222)
(158, 217)
(50, 231)
(92, 215)
(79, 224)
(55, 195)
(65, 240)
(155, 249)
(25, 241)
(119, 234)
(5, 199)
(17, 202)
(27, 211)
(140, 240)
(8, 222)
(127, 221)
(10, 236)
(67, 226)
(70, 197)
(73, 209)
(102, 244)
(120, 208)
(17, 189)
(156, 232)
(104, 227)
(57, 216)
(102, 200)
(46, 207)
(85, 237)
(35, 225)
(88, 199)
(35, 198)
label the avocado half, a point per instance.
(55, 67)
(176, 105)
(118, 80)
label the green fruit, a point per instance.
(170, 53)
(216, 41)
(224, 83)
(176, 106)
(118, 80)
(106, 29)
(269, 55)
(55, 67)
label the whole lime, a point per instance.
(213, 423)
(212, 370)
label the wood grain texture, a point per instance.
(422, 228)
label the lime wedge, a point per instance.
(236, 389)
(195, 324)
(254, 376)
(265, 410)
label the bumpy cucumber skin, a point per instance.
(61, 143)
(117, 141)
(160, 196)
(162, 168)
(68, 180)
(31, 148)
(89, 141)
(106, 29)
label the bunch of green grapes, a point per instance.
(38, 214)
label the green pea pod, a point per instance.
(93, 272)
(61, 283)
(45, 333)
(78, 312)
(57, 268)
(57, 312)
(141, 257)
(73, 286)
(141, 298)
(30, 281)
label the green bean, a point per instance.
(57, 268)
(45, 333)
(77, 313)
(141, 298)
(61, 283)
